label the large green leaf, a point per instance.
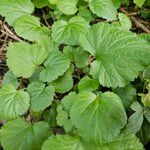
(29, 27)
(67, 7)
(62, 142)
(55, 66)
(103, 8)
(41, 96)
(69, 32)
(24, 59)
(103, 115)
(21, 135)
(12, 102)
(13, 9)
(120, 55)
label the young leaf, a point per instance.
(103, 8)
(63, 142)
(12, 9)
(27, 58)
(64, 83)
(41, 96)
(63, 120)
(119, 56)
(40, 4)
(55, 66)
(29, 27)
(88, 84)
(139, 2)
(77, 55)
(67, 7)
(10, 78)
(69, 32)
(136, 119)
(19, 134)
(102, 115)
(12, 102)
(124, 20)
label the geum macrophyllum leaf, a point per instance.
(136, 119)
(29, 27)
(23, 58)
(119, 55)
(41, 96)
(63, 142)
(69, 32)
(21, 135)
(13, 9)
(103, 115)
(56, 65)
(12, 102)
(68, 7)
(103, 8)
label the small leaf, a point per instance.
(64, 83)
(55, 66)
(88, 84)
(102, 115)
(136, 119)
(127, 94)
(40, 4)
(67, 7)
(10, 78)
(29, 27)
(69, 32)
(41, 96)
(139, 2)
(27, 58)
(19, 134)
(63, 142)
(12, 9)
(12, 102)
(103, 8)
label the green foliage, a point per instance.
(78, 75)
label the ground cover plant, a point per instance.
(77, 74)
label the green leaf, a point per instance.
(124, 141)
(27, 58)
(21, 135)
(67, 7)
(103, 115)
(12, 102)
(117, 3)
(63, 142)
(136, 119)
(41, 96)
(63, 119)
(88, 84)
(139, 2)
(77, 55)
(145, 36)
(29, 27)
(55, 66)
(146, 73)
(103, 8)
(12, 9)
(64, 83)
(69, 32)
(127, 94)
(120, 55)
(124, 20)
(10, 78)
(147, 113)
